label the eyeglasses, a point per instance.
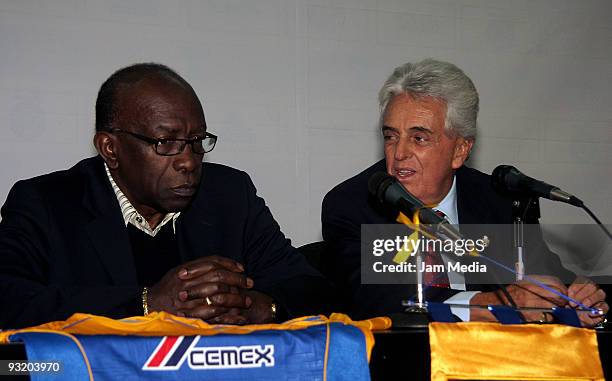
(170, 147)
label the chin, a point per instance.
(176, 205)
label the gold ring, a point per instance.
(208, 301)
(543, 319)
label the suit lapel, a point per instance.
(471, 211)
(469, 206)
(196, 228)
(476, 209)
(106, 229)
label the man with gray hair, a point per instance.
(428, 120)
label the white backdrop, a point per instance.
(290, 85)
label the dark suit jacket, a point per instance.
(64, 247)
(349, 205)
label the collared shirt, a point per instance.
(131, 215)
(448, 206)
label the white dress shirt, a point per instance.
(448, 206)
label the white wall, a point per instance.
(290, 86)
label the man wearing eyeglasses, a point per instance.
(145, 226)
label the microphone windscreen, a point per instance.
(502, 178)
(378, 184)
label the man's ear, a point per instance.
(463, 147)
(106, 145)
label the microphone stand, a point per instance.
(416, 315)
(420, 306)
(522, 210)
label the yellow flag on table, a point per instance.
(492, 351)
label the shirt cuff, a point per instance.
(463, 297)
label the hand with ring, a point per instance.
(212, 290)
(206, 288)
(589, 294)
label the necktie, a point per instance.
(432, 258)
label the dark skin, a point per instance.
(156, 185)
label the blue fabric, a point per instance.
(440, 312)
(567, 316)
(506, 315)
(347, 359)
(43, 346)
(299, 355)
(296, 355)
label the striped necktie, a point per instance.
(432, 258)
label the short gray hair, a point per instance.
(437, 79)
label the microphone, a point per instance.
(506, 178)
(386, 189)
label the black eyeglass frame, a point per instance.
(158, 141)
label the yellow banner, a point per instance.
(491, 351)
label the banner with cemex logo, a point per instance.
(311, 348)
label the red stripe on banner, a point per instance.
(163, 351)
